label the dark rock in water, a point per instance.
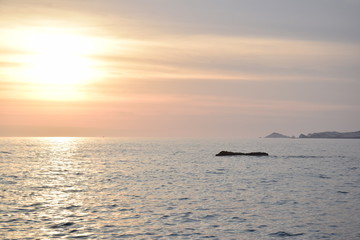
(227, 153)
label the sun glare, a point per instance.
(56, 62)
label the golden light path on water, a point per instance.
(60, 183)
(60, 179)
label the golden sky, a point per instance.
(206, 68)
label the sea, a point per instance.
(147, 188)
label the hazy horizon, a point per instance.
(205, 68)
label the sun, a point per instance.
(57, 62)
(59, 58)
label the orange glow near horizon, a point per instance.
(121, 68)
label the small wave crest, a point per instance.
(5, 152)
(309, 156)
(305, 156)
(285, 234)
(62, 225)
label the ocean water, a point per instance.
(118, 188)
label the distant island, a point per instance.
(346, 135)
(340, 135)
(276, 135)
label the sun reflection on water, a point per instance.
(58, 187)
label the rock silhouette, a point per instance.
(276, 135)
(349, 135)
(227, 153)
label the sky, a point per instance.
(166, 68)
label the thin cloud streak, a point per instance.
(235, 57)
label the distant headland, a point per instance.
(277, 135)
(340, 135)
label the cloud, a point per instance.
(195, 67)
(307, 20)
(321, 20)
(211, 56)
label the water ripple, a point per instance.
(285, 234)
(139, 189)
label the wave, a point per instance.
(285, 234)
(308, 156)
(4, 152)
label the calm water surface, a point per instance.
(99, 188)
